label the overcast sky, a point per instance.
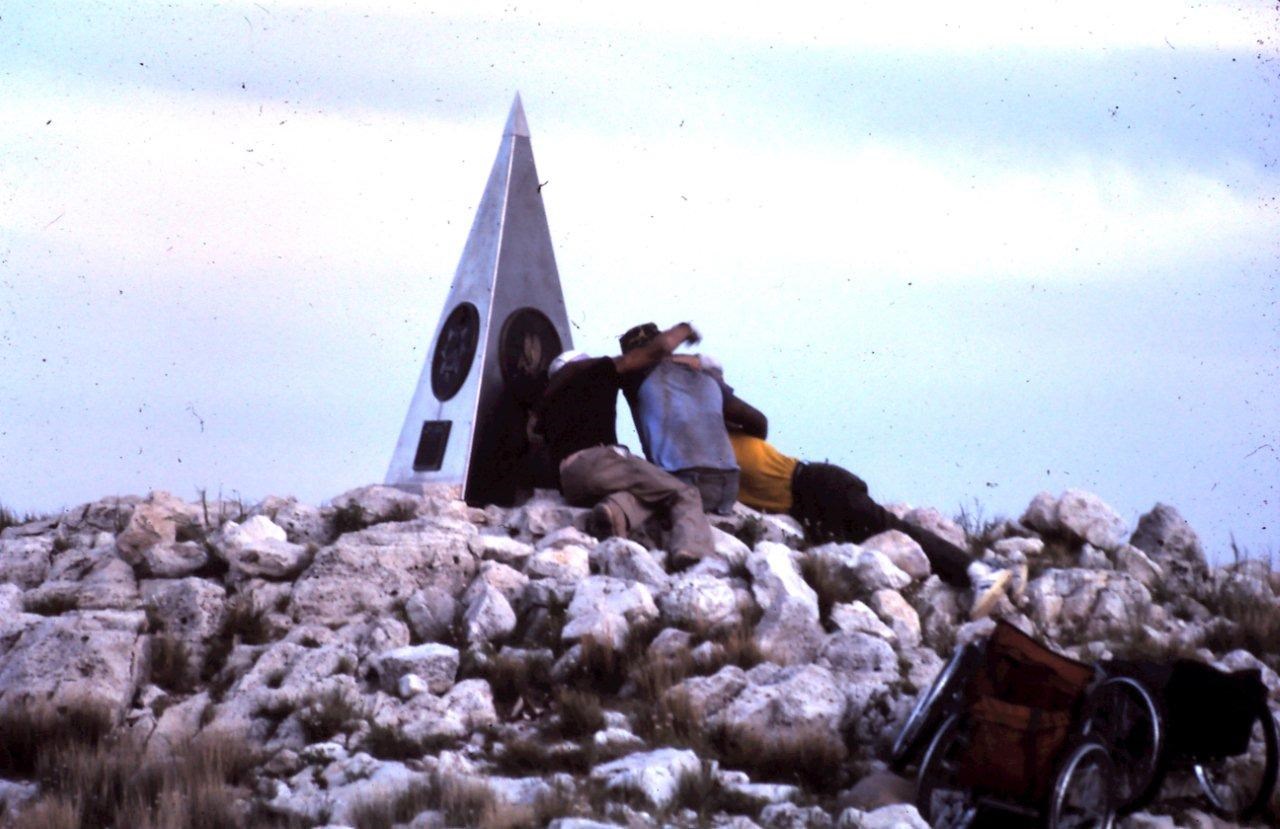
(970, 251)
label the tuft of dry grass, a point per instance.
(329, 713)
(29, 732)
(825, 579)
(463, 801)
(581, 714)
(170, 664)
(810, 757)
(50, 603)
(90, 779)
(537, 754)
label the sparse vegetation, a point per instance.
(751, 531)
(91, 778)
(826, 581)
(171, 665)
(979, 531)
(580, 713)
(50, 602)
(349, 518)
(463, 802)
(328, 713)
(811, 756)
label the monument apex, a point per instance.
(503, 322)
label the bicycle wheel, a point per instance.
(1240, 787)
(1122, 715)
(1083, 794)
(942, 801)
(930, 708)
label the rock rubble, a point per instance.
(404, 659)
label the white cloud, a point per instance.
(921, 26)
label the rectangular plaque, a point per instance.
(431, 445)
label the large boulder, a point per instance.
(1082, 605)
(654, 776)
(259, 548)
(1164, 534)
(605, 610)
(435, 664)
(154, 521)
(1085, 516)
(25, 561)
(85, 659)
(903, 550)
(87, 579)
(701, 603)
(627, 560)
(790, 706)
(931, 520)
(190, 609)
(377, 569)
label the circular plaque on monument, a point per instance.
(528, 344)
(455, 349)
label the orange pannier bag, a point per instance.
(1023, 702)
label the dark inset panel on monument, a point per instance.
(431, 445)
(526, 347)
(455, 349)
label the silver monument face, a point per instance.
(503, 322)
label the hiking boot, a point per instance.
(988, 586)
(608, 521)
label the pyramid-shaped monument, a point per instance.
(502, 324)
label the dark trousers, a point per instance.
(832, 504)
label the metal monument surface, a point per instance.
(503, 322)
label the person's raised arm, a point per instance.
(649, 354)
(740, 416)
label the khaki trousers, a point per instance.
(640, 489)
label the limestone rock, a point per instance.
(302, 523)
(1087, 517)
(903, 551)
(1163, 533)
(378, 568)
(627, 560)
(506, 580)
(1041, 514)
(83, 658)
(489, 616)
(699, 603)
(789, 633)
(191, 609)
(25, 561)
(258, 548)
(435, 664)
(432, 612)
(930, 519)
(501, 548)
(567, 562)
(153, 521)
(857, 617)
(377, 504)
(799, 703)
(774, 577)
(900, 616)
(898, 816)
(605, 610)
(93, 579)
(1134, 562)
(652, 775)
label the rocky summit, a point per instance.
(406, 660)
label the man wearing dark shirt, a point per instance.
(578, 417)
